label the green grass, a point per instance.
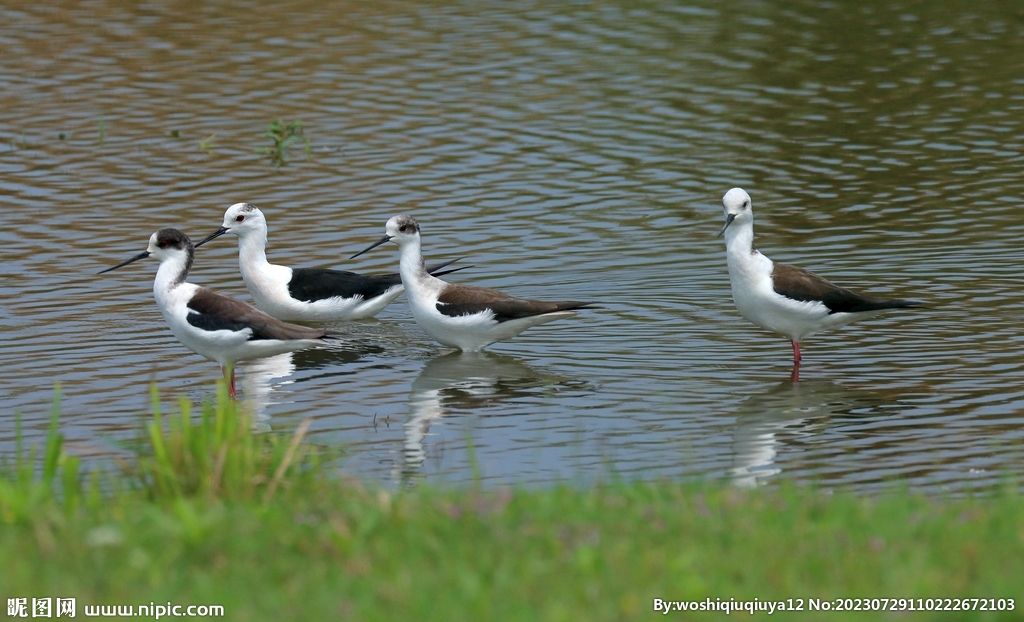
(209, 513)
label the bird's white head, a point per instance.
(401, 230)
(738, 209)
(243, 219)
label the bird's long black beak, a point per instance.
(141, 255)
(728, 221)
(213, 236)
(384, 239)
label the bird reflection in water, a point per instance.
(460, 383)
(788, 414)
(258, 377)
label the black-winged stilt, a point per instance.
(215, 326)
(785, 299)
(304, 294)
(462, 316)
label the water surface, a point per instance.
(572, 151)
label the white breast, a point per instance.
(756, 299)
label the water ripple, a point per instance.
(566, 152)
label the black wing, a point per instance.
(458, 300)
(313, 284)
(211, 311)
(805, 286)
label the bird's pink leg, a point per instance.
(231, 380)
(795, 375)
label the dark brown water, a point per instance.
(567, 151)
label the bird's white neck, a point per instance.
(170, 277)
(252, 251)
(411, 265)
(739, 243)
(749, 271)
(172, 272)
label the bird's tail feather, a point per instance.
(437, 271)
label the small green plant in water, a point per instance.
(19, 143)
(283, 135)
(206, 145)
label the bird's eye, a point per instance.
(162, 243)
(746, 204)
(403, 228)
(239, 218)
